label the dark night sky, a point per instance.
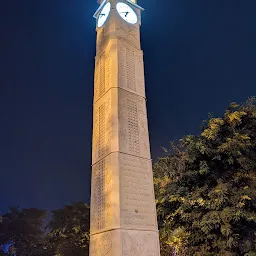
(199, 56)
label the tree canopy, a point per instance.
(69, 230)
(206, 188)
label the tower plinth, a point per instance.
(123, 211)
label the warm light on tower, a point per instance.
(123, 210)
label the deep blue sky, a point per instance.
(199, 56)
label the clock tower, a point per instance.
(123, 211)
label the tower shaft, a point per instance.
(123, 212)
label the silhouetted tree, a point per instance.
(22, 229)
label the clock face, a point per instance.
(104, 15)
(127, 13)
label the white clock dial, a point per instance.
(127, 13)
(104, 15)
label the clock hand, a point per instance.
(126, 13)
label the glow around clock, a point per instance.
(104, 15)
(127, 13)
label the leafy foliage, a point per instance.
(69, 230)
(206, 188)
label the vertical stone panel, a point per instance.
(102, 128)
(102, 85)
(102, 131)
(102, 75)
(105, 200)
(133, 127)
(125, 243)
(121, 67)
(102, 244)
(137, 195)
(128, 33)
(139, 76)
(101, 184)
(139, 243)
(131, 69)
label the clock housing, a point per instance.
(103, 15)
(126, 13)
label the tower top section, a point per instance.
(103, 3)
(100, 1)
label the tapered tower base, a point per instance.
(125, 243)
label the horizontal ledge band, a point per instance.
(115, 87)
(150, 159)
(130, 229)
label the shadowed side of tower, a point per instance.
(123, 212)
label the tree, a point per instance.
(21, 230)
(69, 230)
(206, 188)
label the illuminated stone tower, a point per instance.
(123, 212)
